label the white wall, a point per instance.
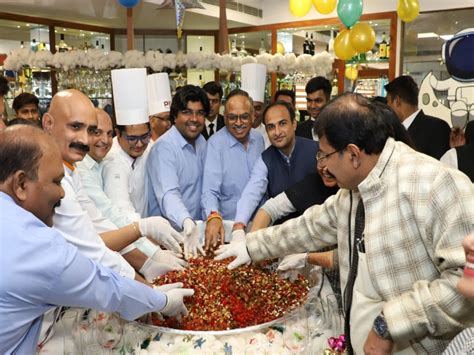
(276, 11)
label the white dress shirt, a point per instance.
(80, 223)
(124, 180)
(90, 173)
(409, 120)
(263, 132)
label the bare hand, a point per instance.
(375, 345)
(214, 235)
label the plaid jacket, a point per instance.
(417, 212)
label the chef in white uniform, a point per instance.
(159, 103)
(254, 78)
(124, 167)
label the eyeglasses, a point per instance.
(133, 140)
(189, 113)
(322, 158)
(245, 117)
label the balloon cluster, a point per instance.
(301, 8)
(336, 345)
(357, 37)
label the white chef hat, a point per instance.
(159, 93)
(253, 77)
(130, 96)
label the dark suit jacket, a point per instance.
(430, 135)
(305, 129)
(220, 123)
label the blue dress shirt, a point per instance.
(227, 170)
(174, 177)
(41, 270)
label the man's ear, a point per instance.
(47, 122)
(117, 132)
(355, 155)
(19, 185)
(295, 124)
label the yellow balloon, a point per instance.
(325, 6)
(351, 72)
(362, 37)
(300, 8)
(280, 48)
(408, 10)
(342, 46)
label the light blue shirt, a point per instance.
(254, 192)
(90, 173)
(174, 175)
(227, 170)
(41, 270)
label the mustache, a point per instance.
(80, 146)
(57, 204)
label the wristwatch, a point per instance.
(381, 327)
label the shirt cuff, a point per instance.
(278, 207)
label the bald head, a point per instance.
(70, 120)
(31, 170)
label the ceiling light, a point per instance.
(428, 35)
(446, 37)
(64, 29)
(27, 25)
(18, 26)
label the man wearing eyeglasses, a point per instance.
(125, 166)
(318, 92)
(158, 261)
(214, 121)
(231, 155)
(398, 220)
(175, 167)
(287, 161)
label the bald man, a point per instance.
(53, 272)
(71, 120)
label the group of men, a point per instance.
(116, 205)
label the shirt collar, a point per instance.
(89, 162)
(178, 137)
(409, 120)
(233, 142)
(209, 122)
(288, 158)
(69, 166)
(371, 185)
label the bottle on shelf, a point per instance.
(262, 49)
(34, 45)
(42, 46)
(201, 81)
(97, 44)
(233, 51)
(388, 49)
(306, 49)
(383, 47)
(331, 44)
(242, 52)
(311, 45)
(22, 44)
(62, 46)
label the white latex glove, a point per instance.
(238, 236)
(174, 304)
(160, 263)
(160, 230)
(191, 240)
(237, 249)
(292, 262)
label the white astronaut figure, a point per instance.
(458, 54)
